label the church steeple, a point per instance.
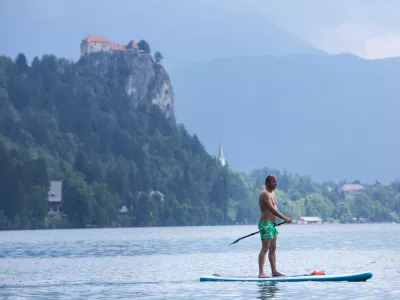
(221, 157)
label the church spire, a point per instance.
(221, 157)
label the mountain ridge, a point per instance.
(319, 104)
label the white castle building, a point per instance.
(93, 43)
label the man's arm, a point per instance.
(273, 210)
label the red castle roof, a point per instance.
(98, 39)
(132, 45)
(117, 47)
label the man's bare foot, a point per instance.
(262, 275)
(275, 274)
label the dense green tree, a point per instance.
(144, 46)
(59, 120)
(158, 57)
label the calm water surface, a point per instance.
(166, 263)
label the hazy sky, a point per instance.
(367, 28)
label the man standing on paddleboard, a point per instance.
(266, 225)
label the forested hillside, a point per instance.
(59, 120)
(298, 195)
(107, 152)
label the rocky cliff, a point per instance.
(145, 79)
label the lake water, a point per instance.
(166, 263)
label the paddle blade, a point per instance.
(243, 238)
(234, 242)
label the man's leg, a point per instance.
(261, 257)
(272, 257)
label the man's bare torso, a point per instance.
(266, 214)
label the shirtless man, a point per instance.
(266, 225)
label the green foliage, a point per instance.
(59, 121)
(81, 128)
(144, 46)
(158, 57)
(302, 197)
(4, 222)
(23, 190)
(317, 204)
(343, 212)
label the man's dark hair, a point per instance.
(268, 178)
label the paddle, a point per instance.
(252, 234)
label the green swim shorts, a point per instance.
(267, 230)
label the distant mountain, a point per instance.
(226, 34)
(333, 117)
(104, 126)
(232, 38)
(184, 31)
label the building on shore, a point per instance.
(309, 220)
(54, 201)
(350, 190)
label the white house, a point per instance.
(93, 43)
(309, 220)
(55, 200)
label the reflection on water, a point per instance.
(267, 290)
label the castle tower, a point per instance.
(221, 157)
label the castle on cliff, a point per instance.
(93, 43)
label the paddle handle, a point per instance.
(279, 224)
(252, 234)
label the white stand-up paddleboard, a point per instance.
(305, 277)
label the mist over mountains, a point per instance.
(237, 68)
(183, 31)
(334, 117)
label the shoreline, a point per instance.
(193, 226)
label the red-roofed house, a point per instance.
(97, 39)
(351, 189)
(95, 44)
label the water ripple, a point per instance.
(158, 263)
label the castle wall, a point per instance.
(95, 47)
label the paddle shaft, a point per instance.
(252, 234)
